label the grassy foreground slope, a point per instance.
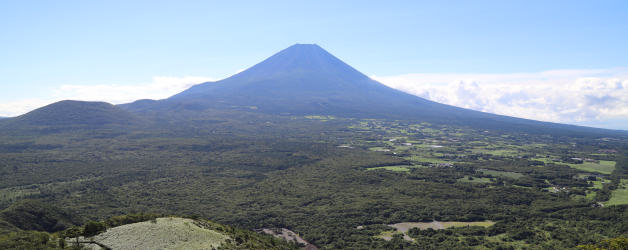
(161, 233)
(144, 231)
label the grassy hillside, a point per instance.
(161, 233)
(144, 231)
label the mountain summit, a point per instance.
(302, 59)
(304, 70)
(301, 79)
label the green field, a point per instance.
(418, 158)
(496, 152)
(475, 180)
(604, 167)
(379, 149)
(590, 195)
(398, 168)
(496, 173)
(598, 184)
(545, 160)
(619, 196)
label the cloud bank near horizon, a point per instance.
(565, 96)
(588, 97)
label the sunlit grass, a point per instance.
(619, 196)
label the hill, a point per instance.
(161, 233)
(182, 233)
(35, 215)
(72, 115)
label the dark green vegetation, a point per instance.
(619, 243)
(32, 215)
(337, 177)
(293, 174)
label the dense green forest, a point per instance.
(337, 182)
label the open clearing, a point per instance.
(405, 226)
(604, 167)
(418, 158)
(397, 168)
(285, 234)
(619, 196)
(496, 152)
(475, 180)
(496, 173)
(164, 233)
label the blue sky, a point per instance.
(50, 47)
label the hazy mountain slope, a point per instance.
(301, 79)
(306, 79)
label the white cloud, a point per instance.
(567, 96)
(160, 88)
(13, 108)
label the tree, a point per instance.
(93, 228)
(73, 232)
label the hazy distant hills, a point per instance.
(74, 114)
